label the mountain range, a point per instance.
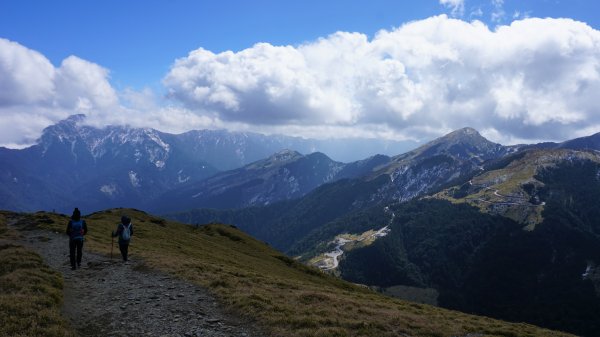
(76, 165)
(504, 231)
(483, 256)
(285, 175)
(96, 168)
(73, 164)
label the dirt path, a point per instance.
(111, 298)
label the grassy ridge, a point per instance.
(283, 296)
(510, 177)
(30, 292)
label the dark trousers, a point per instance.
(124, 248)
(73, 245)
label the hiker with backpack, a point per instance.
(76, 229)
(124, 232)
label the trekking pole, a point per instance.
(112, 243)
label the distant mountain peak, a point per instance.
(73, 119)
(438, 162)
(67, 123)
(464, 134)
(466, 142)
(285, 155)
(467, 131)
(65, 130)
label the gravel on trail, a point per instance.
(112, 298)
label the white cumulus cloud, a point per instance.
(29, 79)
(533, 79)
(35, 94)
(26, 76)
(82, 85)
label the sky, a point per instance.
(517, 71)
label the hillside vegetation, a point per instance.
(30, 292)
(511, 187)
(281, 295)
(285, 223)
(490, 265)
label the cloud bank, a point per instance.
(535, 79)
(34, 94)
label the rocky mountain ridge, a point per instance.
(74, 164)
(300, 226)
(285, 175)
(95, 168)
(437, 163)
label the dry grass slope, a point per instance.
(30, 292)
(281, 295)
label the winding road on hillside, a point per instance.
(111, 298)
(513, 200)
(332, 259)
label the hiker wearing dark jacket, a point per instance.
(76, 229)
(124, 232)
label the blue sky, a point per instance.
(130, 62)
(154, 33)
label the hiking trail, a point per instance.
(111, 298)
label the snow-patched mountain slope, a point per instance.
(77, 165)
(402, 178)
(74, 164)
(435, 164)
(284, 175)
